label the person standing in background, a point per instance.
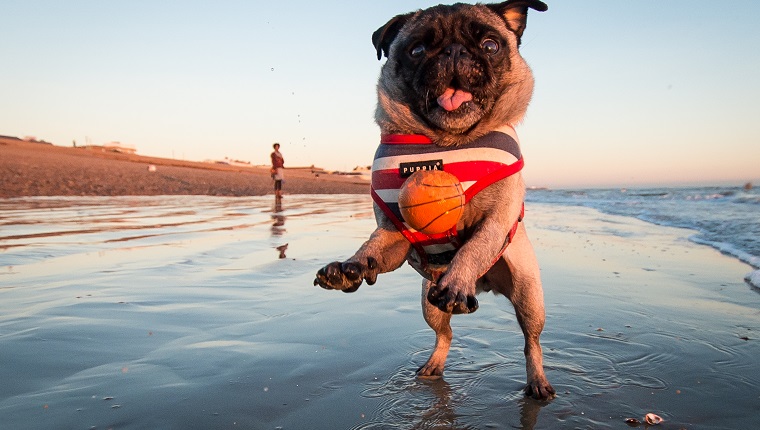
(278, 167)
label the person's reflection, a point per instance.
(278, 226)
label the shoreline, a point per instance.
(38, 169)
(201, 312)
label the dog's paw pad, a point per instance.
(429, 371)
(540, 390)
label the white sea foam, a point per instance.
(729, 249)
(725, 218)
(753, 278)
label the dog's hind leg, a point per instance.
(527, 297)
(439, 321)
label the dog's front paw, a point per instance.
(346, 276)
(451, 301)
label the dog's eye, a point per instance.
(489, 46)
(417, 51)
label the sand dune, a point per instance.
(38, 169)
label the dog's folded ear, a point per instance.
(515, 12)
(383, 36)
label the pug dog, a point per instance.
(452, 90)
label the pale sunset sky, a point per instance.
(627, 93)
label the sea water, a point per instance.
(200, 312)
(726, 218)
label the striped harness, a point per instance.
(477, 165)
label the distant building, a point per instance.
(229, 162)
(120, 147)
(32, 139)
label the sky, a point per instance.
(627, 94)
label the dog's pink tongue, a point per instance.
(451, 99)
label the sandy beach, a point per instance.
(37, 169)
(199, 312)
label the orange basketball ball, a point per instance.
(431, 201)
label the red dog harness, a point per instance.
(477, 165)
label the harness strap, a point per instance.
(493, 177)
(510, 236)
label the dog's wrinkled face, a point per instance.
(450, 64)
(450, 68)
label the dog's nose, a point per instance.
(455, 51)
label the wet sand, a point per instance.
(199, 312)
(36, 169)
